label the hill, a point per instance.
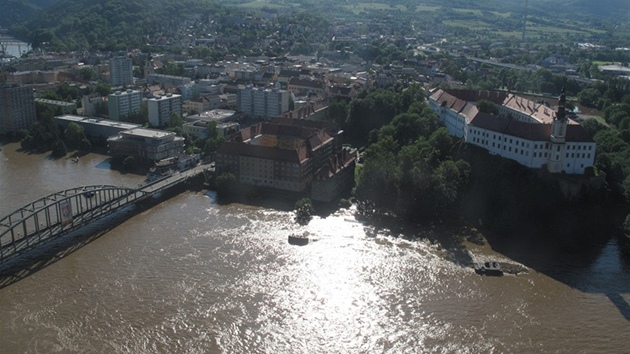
(612, 9)
(19, 11)
(104, 24)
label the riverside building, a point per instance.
(530, 133)
(17, 108)
(292, 155)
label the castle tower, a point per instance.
(558, 136)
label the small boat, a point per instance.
(298, 240)
(489, 268)
(75, 159)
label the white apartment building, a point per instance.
(161, 108)
(17, 108)
(123, 103)
(264, 103)
(121, 71)
(543, 137)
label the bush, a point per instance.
(626, 225)
(304, 211)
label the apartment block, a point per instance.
(161, 108)
(263, 103)
(121, 71)
(17, 108)
(123, 104)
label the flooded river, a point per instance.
(192, 276)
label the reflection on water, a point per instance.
(189, 275)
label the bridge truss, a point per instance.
(59, 213)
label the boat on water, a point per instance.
(489, 268)
(298, 240)
(168, 166)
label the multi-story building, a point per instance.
(199, 129)
(94, 127)
(89, 104)
(202, 104)
(263, 103)
(65, 107)
(122, 104)
(17, 108)
(121, 71)
(163, 79)
(532, 134)
(32, 77)
(147, 145)
(287, 154)
(161, 108)
(306, 86)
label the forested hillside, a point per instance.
(106, 24)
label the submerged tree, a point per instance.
(304, 211)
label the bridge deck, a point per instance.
(59, 213)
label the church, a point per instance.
(530, 133)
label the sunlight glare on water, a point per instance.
(192, 276)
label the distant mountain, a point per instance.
(612, 9)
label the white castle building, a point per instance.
(527, 132)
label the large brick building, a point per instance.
(292, 155)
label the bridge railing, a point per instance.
(59, 213)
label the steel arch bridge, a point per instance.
(59, 213)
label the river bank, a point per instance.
(190, 274)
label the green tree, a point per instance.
(103, 89)
(626, 225)
(75, 137)
(338, 112)
(486, 106)
(304, 211)
(175, 121)
(226, 184)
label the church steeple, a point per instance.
(561, 113)
(558, 135)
